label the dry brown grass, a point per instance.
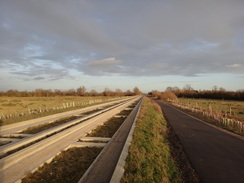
(149, 158)
(69, 166)
(16, 109)
(108, 129)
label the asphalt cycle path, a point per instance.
(217, 156)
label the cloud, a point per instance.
(52, 40)
(234, 65)
(37, 71)
(39, 78)
(107, 66)
(107, 62)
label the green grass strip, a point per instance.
(68, 166)
(149, 158)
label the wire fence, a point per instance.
(225, 120)
(62, 106)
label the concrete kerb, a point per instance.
(119, 169)
(36, 137)
(76, 145)
(88, 144)
(51, 117)
(97, 158)
(68, 147)
(43, 134)
(8, 161)
(94, 139)
(48, 161)
(43, 143)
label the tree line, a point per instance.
(215, 93)
(81, 91)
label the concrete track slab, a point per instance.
(102, 169)
(12, 128)
(15, 166)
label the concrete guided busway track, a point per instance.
(16, 165)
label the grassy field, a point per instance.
(15, 109)
(225, 114)
(149, 158)
(231, 108)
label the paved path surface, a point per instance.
(217, 157)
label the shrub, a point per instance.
(168, 95)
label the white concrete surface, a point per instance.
(15, 166)
(119, 169)
(12, 128)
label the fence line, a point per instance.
(225, 120)
(62, 106)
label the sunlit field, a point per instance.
(226, 107)
(14, 109)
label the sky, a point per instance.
(149, 44)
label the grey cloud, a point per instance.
(108, 66)
(58, 20)
(38, 72)
(132, 38)
(39, 78)
(104, 62)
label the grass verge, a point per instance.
(12, 136)
(92, 111)
(2, 143)
(38, 140)
(68, 166)
(109, 128)
(149, 158)
(45, 126)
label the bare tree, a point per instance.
(188, 87)
(136, 91)
(215, 88)
(81, 91)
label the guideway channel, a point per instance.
(16, 127)
(103, 168)
(47, 133)
(15, 166)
